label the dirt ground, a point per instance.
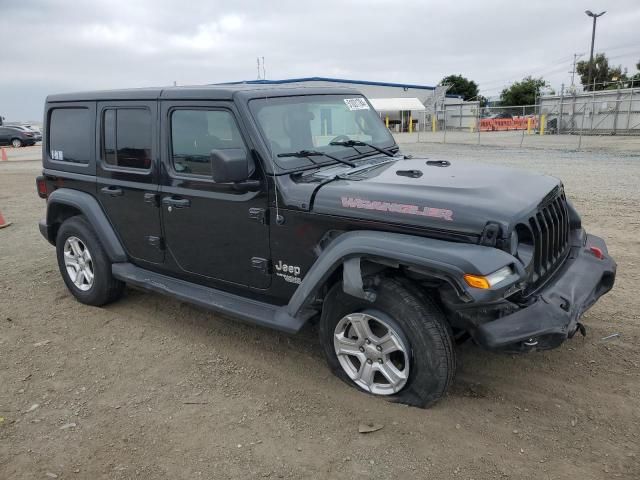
(153, 388)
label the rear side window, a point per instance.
(126, 137)
(194, 133)
(70, 135)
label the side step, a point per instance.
(246, 309)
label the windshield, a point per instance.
(312, 122)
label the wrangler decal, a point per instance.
(444, 214)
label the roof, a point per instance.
(326, 79)
(396, 104)
(201, 92)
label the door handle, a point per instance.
(113, 191)
(176, 202)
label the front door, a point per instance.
(213, 231)
(4, 135)
(127, 176)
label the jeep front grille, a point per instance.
(550, 228)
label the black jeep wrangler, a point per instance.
(282, 206)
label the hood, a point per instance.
(456, 196)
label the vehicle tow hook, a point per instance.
(579, 328)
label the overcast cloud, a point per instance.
(51, 46)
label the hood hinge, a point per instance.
(490, 234)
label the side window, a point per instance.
(194, 133)
(126, 137)
(70, 135)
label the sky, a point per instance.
(53, 46)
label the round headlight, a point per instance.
(513, 243)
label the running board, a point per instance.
(246, 309)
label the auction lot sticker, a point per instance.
(357, 103)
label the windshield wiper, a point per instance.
(314, 153)
(358, 143)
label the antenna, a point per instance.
(264, 72)
(258, 60)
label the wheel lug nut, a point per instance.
(380, 361)
(369, 361)
(362, 349)
(367, 341)
(379, 348)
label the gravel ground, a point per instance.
(153, 388)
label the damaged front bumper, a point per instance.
(553, 315)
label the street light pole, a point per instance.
(593, 38)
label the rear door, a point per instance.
(127, 175)
(213, 231)
(4, 137)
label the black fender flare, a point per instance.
(91, 209)
(448, 260)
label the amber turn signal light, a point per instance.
(477, 281)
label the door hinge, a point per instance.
(151, 199)
(261, 264)
(155, 241)
(259, 214)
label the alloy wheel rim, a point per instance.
(79, 264)
(372, 353)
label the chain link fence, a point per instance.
(574, 121)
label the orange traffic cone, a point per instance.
(3, 222)
(3, 156)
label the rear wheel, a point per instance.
(16, 142)
(399, 346)
(84, 265)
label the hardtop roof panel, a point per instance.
(204, 92)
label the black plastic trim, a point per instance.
(554, 316)
(451, 260)
(246, 309)
(91, 209)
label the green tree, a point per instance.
(459, 85)
(523, 92)
(604, 75)
(635, 80)
(483, 100)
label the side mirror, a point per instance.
(229, 165)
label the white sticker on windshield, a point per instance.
(357, 103)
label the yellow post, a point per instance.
(433, 123)
(529, 126)
(410, 124)
(543, 119)
(386, 121)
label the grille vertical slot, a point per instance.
(550, 228)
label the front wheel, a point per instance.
(399, 347)
(16, 143)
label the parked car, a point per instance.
(35, 130)
(501, 115)
(284, 206)
(16, 136)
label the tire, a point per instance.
(16, 142)
(76, 235)
(419, 328)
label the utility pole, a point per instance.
(576, 56)
(593, 38)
